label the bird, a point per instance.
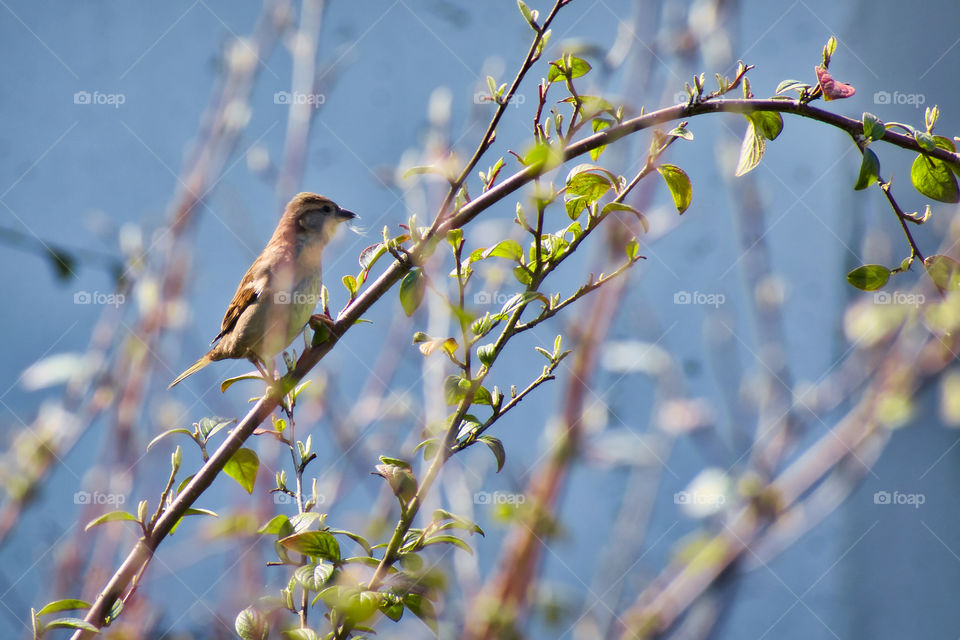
(279, 291)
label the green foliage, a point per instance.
(869, 277)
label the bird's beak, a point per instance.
(346, 214)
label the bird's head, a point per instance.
(316, 218)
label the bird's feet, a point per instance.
(324, 320)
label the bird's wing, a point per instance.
(251, 286)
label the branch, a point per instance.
(141, 554)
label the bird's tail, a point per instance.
(196, 366)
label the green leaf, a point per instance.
(412, 288)
(482, 396)
(277, 525)
(751, 150)
(944, 271)
(485, 353)
(371, 254)
(598, 124)
(620, 206)
(167, 433)
(632, 249)
(589, 181)
(869, 170)
(680, 132)
(71, 623)
(454, 540)
(768, 123)
(873, 128)
(543, 157)
(791, 85)
(497, 448)
(559, 69)
(226, 384)
(419, 606)
(111, 516)
(523, 275)
(242, 467)
(925, 140)
(251, 624)
(393, 610)
(508, 248)
(67, 604)
(314, 575)
(528, 16)
(679, 184)
(869, 277)
(351, 284)
(316, 544)
(934, 179)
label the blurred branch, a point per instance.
(668, 597)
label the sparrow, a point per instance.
(277, 295)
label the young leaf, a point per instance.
(869, 170)
(497, 448)
(316, 544)
(68, 604)
(768, 123)
(508, 248)
(422, 608)
(944, 271)
(751, 150)
(412, 288)
(111, 516)
(869, 277)
(934, 179)
(679, 184)
(242, 467)
(873, 128)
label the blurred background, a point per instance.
(148, 151)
